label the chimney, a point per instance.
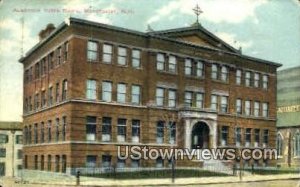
(46, 32)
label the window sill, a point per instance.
(167, 72)
(220, 81)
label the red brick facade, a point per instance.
(63, 57)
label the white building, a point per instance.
(10, 148)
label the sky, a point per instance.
(266, 29)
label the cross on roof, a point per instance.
(197, 10)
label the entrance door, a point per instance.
(200, 136)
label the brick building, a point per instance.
(89, 87)
(288, 115)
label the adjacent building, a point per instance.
(89, 87)
(288, 114)
(11, 143)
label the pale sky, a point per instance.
(267, 29)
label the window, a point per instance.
(43, 99)
(42, 132)
(256, 80)
(2, 169)
(66, 50)
(25, 162)
(106, 91)
(51, 61)
(297, 144)
(92, 51)
(91, 161)
(188, 67)
(43, 66)
(199, 100)
(91, 90)
(49, 163)
(35, 131)
(248, 78)
(64, 128)
(121, 93)
(106, 161)
(36, 101)
(106, 129)
(172, 64)
(172, 98)
(122, 55)
(91, 128)
(136, 131)
(35, 162)
(29, 134)
(247, 137)
(49, 130)
(42, 162)
(214, 102)
(57, 158)
(265, 109)
(30, 73)
(107, 53)
(224, 104)
(265, 137)
(57, 93)
(135, 94)
(188, 99)
(37, 70)
(224, 73)
(238, 105)
(121, 163)
(135, 163)
(19, 139)
(50, 96)
(248, 108)
(20, 154)
(256, 108)
(26, 135)
(224, 135)
(3, 138)
(172, 132)
(136, 58)
(30, 103)
(121, 130)
(256, 137)
(2, 152)
(159, 162)
(58, 56)
(214, 71)
(57, 130)
(160, 92)
(199, 69)
(279, 145)
(265, 83)
(160, 132)
(160, 61)
(26, 105)
(238, 136)
(238, 77)
(64, 164)
(64, 90)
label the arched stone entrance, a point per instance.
(200, 136)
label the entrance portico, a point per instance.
(200, 129)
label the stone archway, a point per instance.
(200, 136)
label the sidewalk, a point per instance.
(88, 181)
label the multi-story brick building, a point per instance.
(288, 123)
(89, 87)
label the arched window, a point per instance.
(279, 144)
(297, 144)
